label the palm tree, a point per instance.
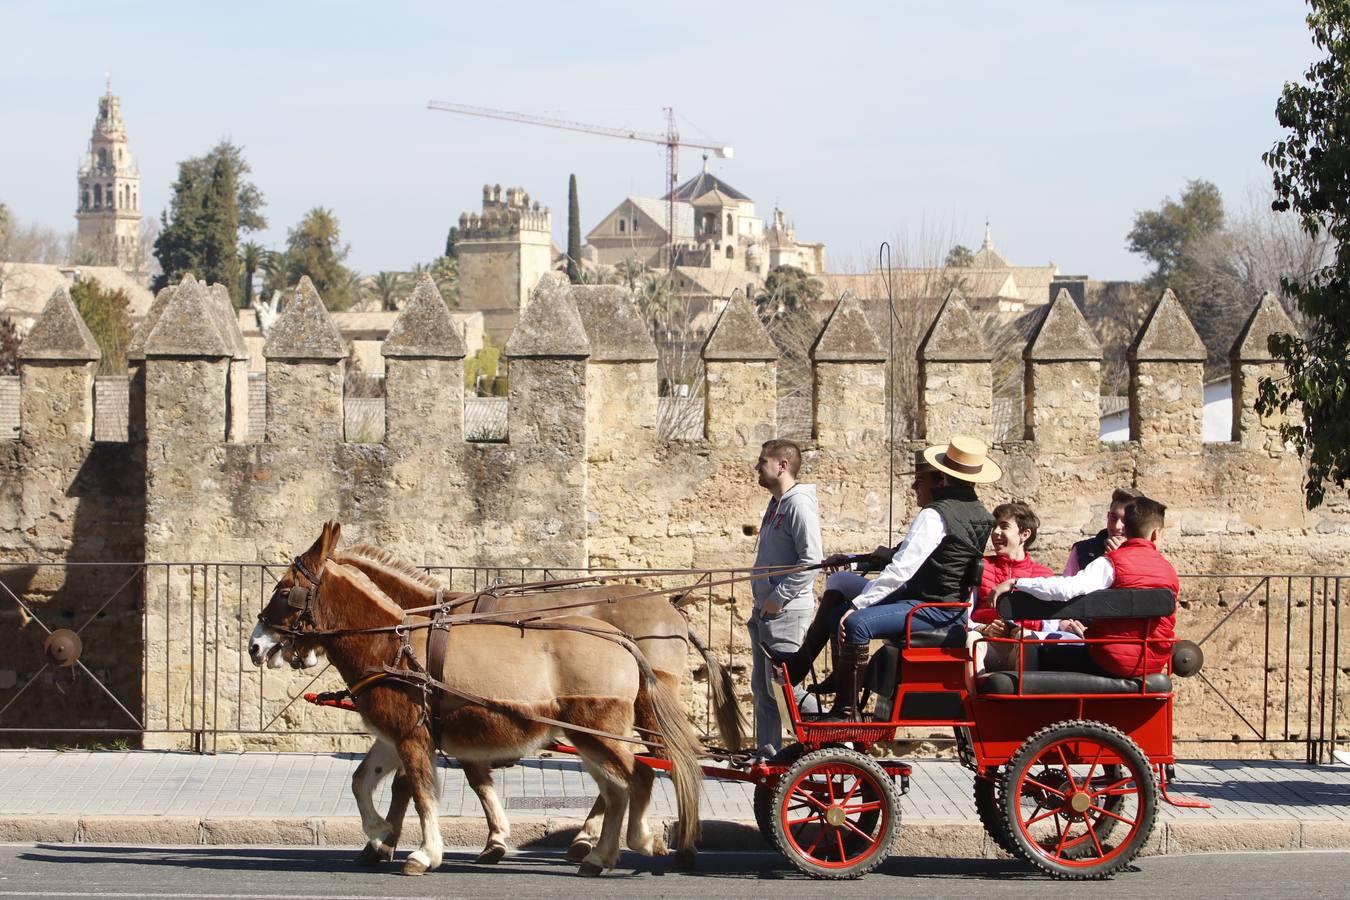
(630, 271)
(274, 267)
(445, 272)
(656, 299)
(251, 255)
(385, 287)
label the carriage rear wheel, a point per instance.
(763, 802)
(836, 814)
(989, 807)
(1080, 800)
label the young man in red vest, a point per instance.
(1136, 563)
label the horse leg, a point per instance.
(380, 761)
(603, 761)
(640, 836)
(585, 840)
(479, 776)
(415, 753)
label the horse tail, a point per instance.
(682, 749)
(731, 724)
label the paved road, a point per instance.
(87, 870)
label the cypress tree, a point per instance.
(573, 231)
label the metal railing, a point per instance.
(164, 659)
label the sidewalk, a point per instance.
(140, 798)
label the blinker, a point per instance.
(298, 597)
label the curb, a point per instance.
(923, 838)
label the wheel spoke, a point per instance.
(1106, 812)
(857, 783)
(816, 843)
(1045, 787)
(829, 783)
(865, 807)
(856, 830)
(810, 801)
(1087, 779)
(1092, 833)
(839, 840)
(1064, 760)
(1042, 817)
(791, 822)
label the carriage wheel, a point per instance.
(763, 803)
(989, 807)
(837, 814)
(1062, 787)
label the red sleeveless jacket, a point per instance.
(998, 569)
(1137, 564)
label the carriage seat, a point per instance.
(952, 636)
(1004, 683)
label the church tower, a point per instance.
(109, 199)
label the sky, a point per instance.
(912, 122)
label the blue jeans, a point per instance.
(887, 620)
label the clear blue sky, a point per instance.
(1057, 120)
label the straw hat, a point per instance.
(965, 458)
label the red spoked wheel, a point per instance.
(763, 802)
(837, 814)
(1080, 799)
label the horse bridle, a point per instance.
(297, 597)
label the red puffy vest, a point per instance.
(1137, 564)
(998, 569)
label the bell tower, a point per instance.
(108, 204)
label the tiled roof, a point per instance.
(701, 184)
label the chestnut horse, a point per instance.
(580, 685)
(651, 620)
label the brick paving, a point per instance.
(300, 785)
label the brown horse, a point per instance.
(658, 628)
(586, 681)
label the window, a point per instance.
(635, 226)
(98, 196)
(731, 253)
(731, 226)
(84, 201)
(621, 226)
(102, 157)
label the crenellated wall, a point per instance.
(583, 478)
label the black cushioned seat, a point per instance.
(953, 636)
(1069, 683)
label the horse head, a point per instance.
(279, 636)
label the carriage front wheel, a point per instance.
(836, 814)
(1064, 789)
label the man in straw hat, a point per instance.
(928, 566)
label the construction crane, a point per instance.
(671, 140)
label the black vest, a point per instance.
(1089, 550)
(968, 525)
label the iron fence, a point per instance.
(164, 661)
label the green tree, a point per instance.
(656, 298)
(573, 232)
(202, 220)
(787, 289)
(385, 287)
(452, 242)
(1311, 173)
(315, 248)
(445, 272)
(251, 257)
(1167, 236)
(107, 313)
(10, 344)
(959, 257)
(274, 272)
(630, 271)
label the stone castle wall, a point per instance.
(584, 479)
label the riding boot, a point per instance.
(817, 636)
(852, 673)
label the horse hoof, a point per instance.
(684, 859)
(590, 870)
(492, 853)
(373, 856)
(579, 850)
(414, 867)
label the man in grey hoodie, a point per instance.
(789, 536)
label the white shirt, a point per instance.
(925, 533)
(1098, 576)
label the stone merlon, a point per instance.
(1269, 317)
(1062, 334)
(955, 335)
(738, 335)
(424, 328)
(60, 333)
(847, 336)
(1167, 335)
(304, 330)
(136, 349)
(550, 325)
(227, 321)
(614, 324)
(189, 325)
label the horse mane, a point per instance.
(391, 563)
(381, 599)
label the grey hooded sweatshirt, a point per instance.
(789, 536)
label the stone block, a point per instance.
(1229, 836)
(140, 830)
(259, 830)
(38, 829)
(941, 839)
(1334, 835)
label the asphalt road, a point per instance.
(87, 870)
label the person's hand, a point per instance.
(835, 561)
(770, 608)
(997, 629)
(999, 590)
(1072, 626)
(883, 554)
(842, 619)
(1114, 542)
